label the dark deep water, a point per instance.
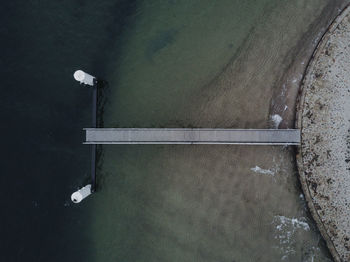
(43, 111)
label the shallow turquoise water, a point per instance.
(205, 64)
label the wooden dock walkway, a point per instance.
(192, 136)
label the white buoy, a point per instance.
(84, 78)
(82, 193)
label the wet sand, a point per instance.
(210, 203)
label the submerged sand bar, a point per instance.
(192, 136)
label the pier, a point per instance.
(192, 136)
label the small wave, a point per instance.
(259, 170)
(294, 222)
(276, 119)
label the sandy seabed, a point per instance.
(209, 203)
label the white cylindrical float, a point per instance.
(84, 78)
(82, 193)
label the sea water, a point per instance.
(172, 63)
(228, 64)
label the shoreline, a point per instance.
(306, 169)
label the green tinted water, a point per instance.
(173, 49)
(206, 64)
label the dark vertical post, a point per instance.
(89, 80)
(93, 147)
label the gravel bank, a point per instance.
(324, 118)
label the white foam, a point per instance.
(260, 170)
(285, 234)
(276, 119)
(296, 223)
